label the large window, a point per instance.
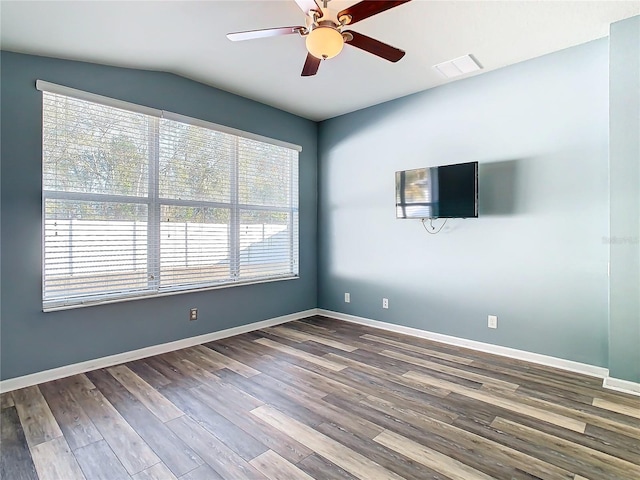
(139, 204)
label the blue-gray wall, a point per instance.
(536, 257)
(624, 85)
(33, 341)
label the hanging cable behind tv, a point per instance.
(433, 229)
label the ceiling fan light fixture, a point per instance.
(324, 42)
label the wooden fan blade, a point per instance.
(374, 46)
(308, 5)
(367, 9)
(267, 32)
(311, 66)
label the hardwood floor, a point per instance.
(321, 399)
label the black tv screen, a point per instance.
(448, 191)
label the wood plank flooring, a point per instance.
(320, 399)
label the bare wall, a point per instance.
(537, 255)
(624, 147)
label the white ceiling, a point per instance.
(188, 38)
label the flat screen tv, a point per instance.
(448, 191)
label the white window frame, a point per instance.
(154, 203)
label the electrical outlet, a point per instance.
(385, 303)
(193, 314)
(347, 297)
(492, 321)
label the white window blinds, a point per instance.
(137, 205)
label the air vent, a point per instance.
(458, 66)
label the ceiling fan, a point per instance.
(325, 32)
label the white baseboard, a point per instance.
(68, 370)
(622, 385)
(537, 358)
(568, 365)
(608, 382)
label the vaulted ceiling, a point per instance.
(188, 38)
